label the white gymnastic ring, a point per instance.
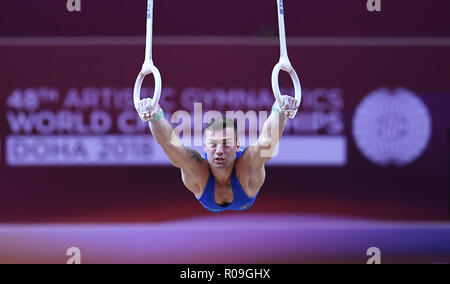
(151, 69)
(282, 65)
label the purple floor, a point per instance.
(256, 238)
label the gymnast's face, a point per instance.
(221, 147)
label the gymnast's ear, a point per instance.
(204, 146)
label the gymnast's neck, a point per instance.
(222, 175)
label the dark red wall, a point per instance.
(231, 17)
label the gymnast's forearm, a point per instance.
(163, 132)
(272, 130)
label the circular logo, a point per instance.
(392, 127)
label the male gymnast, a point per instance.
(225, 177)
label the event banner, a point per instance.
(79, 112)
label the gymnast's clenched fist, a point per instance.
(147, 113)
(289, 107)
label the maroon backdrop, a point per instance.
(419, 190)
(231, 17)
(416, 191)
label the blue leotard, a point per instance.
(241, 201)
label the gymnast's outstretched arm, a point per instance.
(260, 152)
(179, 155)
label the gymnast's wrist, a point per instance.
(277, 111)
(157, 117)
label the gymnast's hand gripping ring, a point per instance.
(284, 63)
(148, 67)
